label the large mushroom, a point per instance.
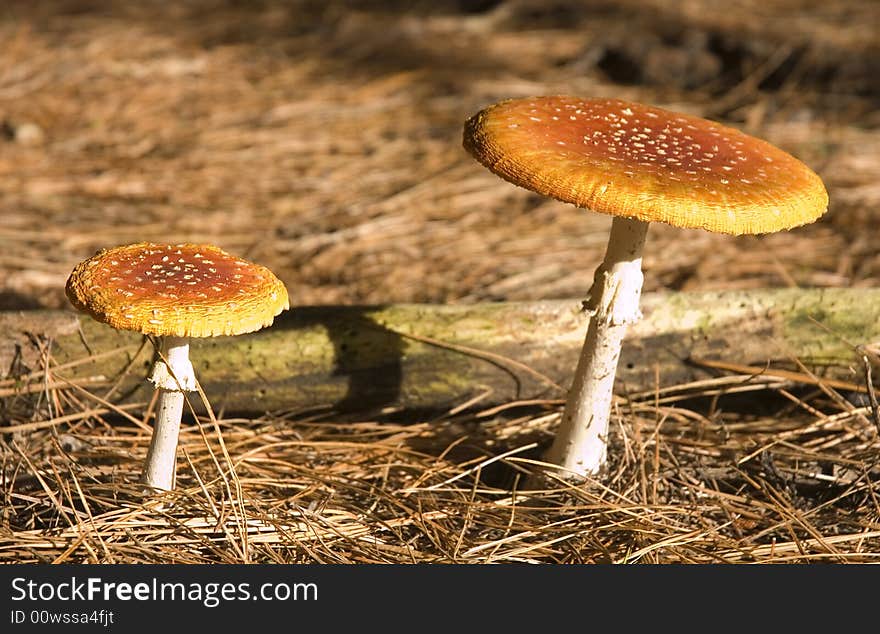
(641, 164)
(174, 291)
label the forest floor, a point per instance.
(325, 143)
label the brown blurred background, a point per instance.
(324, 139)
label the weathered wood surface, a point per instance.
(367, 359)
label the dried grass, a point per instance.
(690, 483)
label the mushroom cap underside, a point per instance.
(183, 290)
(629, 159)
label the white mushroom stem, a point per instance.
(172, 379)
(580, 446)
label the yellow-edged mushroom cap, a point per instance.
(638, 161)
(182, 290)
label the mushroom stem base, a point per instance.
(580, 446)
(173, 375)
(161, 465)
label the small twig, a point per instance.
(797, 377)
(482, 354)
(872, 397)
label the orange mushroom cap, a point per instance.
(182, 290)
(638, 161)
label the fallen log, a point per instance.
(378, 358)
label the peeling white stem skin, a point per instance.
(172, 380)
(580, 446)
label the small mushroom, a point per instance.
(174, 291)
(641, 164)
